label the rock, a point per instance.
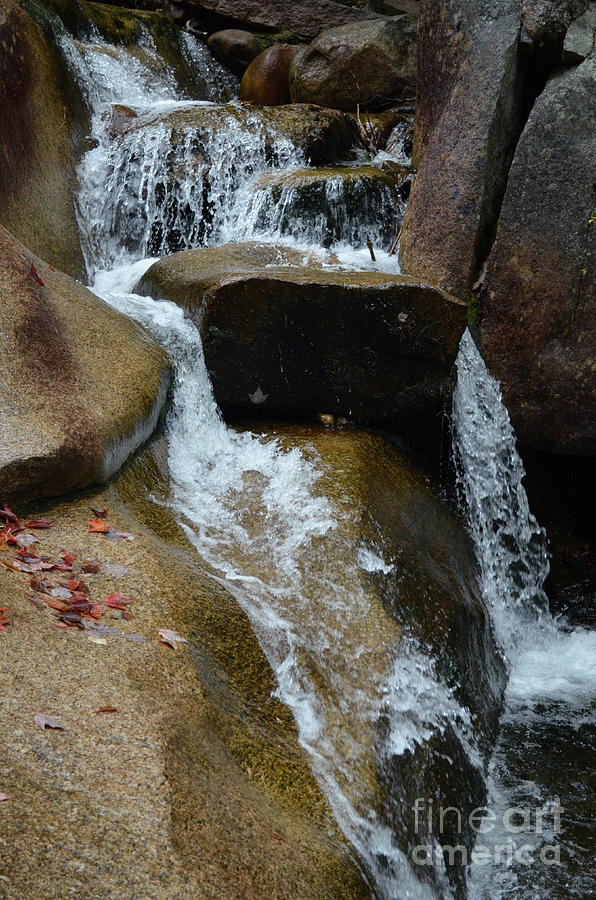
(304, 19)
(37, 144)
(580, 37)
(266, 81)
(81, 388)
(546, 21)
(356, 344)
(199, 756)
(368, 63)
(470, 112)
(235, 48)
(325, 205)
(538, 327)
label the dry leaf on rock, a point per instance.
(171, 638)
(97, 526)
(44, 722)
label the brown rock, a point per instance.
(367, 63)
(539, 309)
(235, 48)
(298, 337)
(266, 81)
(470, 113)
(304, 19)
(37, 166)
(81, 386)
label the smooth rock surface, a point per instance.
(82, 386)
(304, 19)
(469, 114)
(313, 339)
(37, 144)
(235, 47)
(266, 81)
(538, 301)
(580, 37)
(368, 63)
(199, 755)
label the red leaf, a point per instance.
(38, 523)
(68, 558)
(96, 611)
(90, 567)
(99, 513)
(44, 722)
(117, 601)
(106, 709)
(8, 514)
(96, 526)
(35, 275)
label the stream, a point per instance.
(309, 614)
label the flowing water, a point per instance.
(543, 761)
(151, 188)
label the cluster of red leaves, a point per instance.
(70, 600)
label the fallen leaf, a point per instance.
(44, 722)
(131, 636)
(36, 276)
(117, 601)
(402, 317)
(8, 514)
(90, 567)
(68, 558)
(96, 611)
(106, 709)
(96, 526)
(96, 640)
(72, 618)
(4, 797)
(113, 535)
(78, 586)
(38, 523)
(99, 513)
(3, 620)
(58, 605)
(61, 593)
(43, 587)
(25, 540)
(116, 569)
(171, 638)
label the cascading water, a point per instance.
(308, 616)
(550, 702)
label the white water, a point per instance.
(251, 505)
(552, 667)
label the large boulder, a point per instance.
(37, 142)
(267, 79)
(304, 19)
(539, 297)
(235, 47)
(368, 63)
(81, 388)
(470, 111)
(293, 335)
(547, 21)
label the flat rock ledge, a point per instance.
(81, 387)
(293, 333)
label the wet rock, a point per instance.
(326, 205)
(469, 114)
(235, 48)
(323, 135)
(199, 756)
(37, 170)
(539, 303)
(546, 21)
(82, 386)
(305, 19)
(356, 344)
(266, 81)
(368, 64)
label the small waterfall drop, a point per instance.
(551, 692)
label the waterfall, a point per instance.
(552, 667)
